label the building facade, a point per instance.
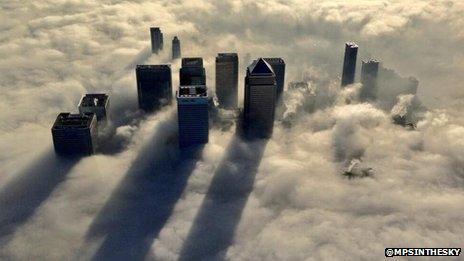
(192, 72)
(260, 99)
(227, 79)
(176, 53)
(156, 39)
(369, 73)
(193, 115)
(75, 134)
(154, 86)
(278, 66)
(349, 63)
(97, 103)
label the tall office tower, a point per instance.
(176, 48)
(349, 63)
(75, 134)
(154, 86)
(192, 72)
(97, 103)
(227, 79)
(369, 72)
(260, 99)
(156, 39)
(278, 66)
(192, 114)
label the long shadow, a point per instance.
(142, 203)
(22, 196)
(213, 230)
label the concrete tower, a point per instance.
(75, 134)
(227, 79)
(176, 54)
(369, 72)
(278, 66)
(154, 86)
(192, 72)
(349, 64)
(156, 39)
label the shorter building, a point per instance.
(349, 64)
(176, 53)
(369, 73)
(156, 39)
(192, 72)
(278, 66)
(97, 103)
(154, 86)
(193, 115)
(227, 80)
(75, 134)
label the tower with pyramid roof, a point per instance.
(260, 99)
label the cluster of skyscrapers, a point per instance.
(76, 133)
(157, 43)
(264, 84)
(369, 73)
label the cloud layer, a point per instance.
(281, 199)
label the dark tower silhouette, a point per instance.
(75, 134)
(156, 39)
(349, 64)
(278, 66)
(369, 72)
(193, 115)
(176, 54)
(260, 99)
(97, 103)
(192, 72)
(227, 79)
(154, 86)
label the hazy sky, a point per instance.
(281, 199)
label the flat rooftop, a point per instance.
(351, 44)
(192, 62)
(225, 57)
(153, 67)
(192, 91)
(69, 120)
(370, 61)
(94, 100)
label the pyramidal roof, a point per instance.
(260, 66)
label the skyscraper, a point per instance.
(369, 72)
(176, 54)
(192, 72)
(154, 86)
(156, 39)
(227, 79)
(192, 114)
(278, 66)
(349, 63)
(75, 134)
(97, 103)
(260, 99)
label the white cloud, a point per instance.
(299, 205)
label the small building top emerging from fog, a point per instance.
(69, 120)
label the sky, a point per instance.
(286, 198)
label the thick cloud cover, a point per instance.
(338, 179)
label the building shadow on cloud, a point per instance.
(29, 189)
(142, 203)
(214, 227)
